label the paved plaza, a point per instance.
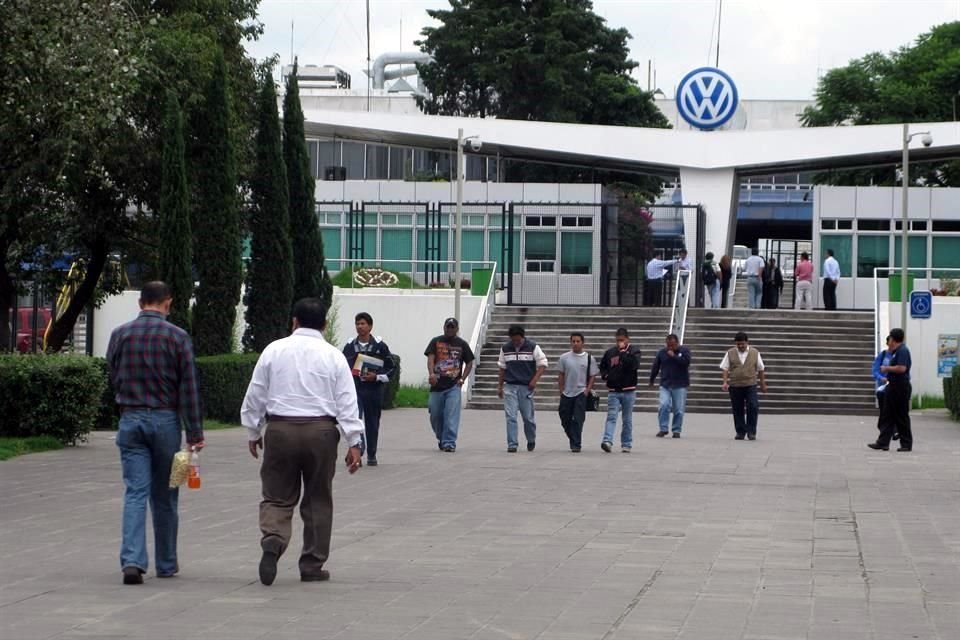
(803, 534)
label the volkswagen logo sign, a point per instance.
(707, 98)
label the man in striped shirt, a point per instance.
(154, 377)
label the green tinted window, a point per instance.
(842, 246)
(496, 251)
(576, 253)
(872, 251)
(946, 254)
(540, 245)
(396, 244)
(918, 251)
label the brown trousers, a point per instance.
(296, 453)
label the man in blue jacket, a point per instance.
(372, 365)
(895, 414)
(673, 365)
(880, 380)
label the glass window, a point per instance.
(568, 221)
(472, 249)
(388, 218)
(474, 221)
(329, 152)
(584, 221)
(353, 160)
(946, 254)
(332, 251)
(475, 168)
(576, 253)
(918, 251)
(532, 221)
(842, 246)
(497, 254)
(370, 247)
(844, 224)
(872, 251)
(313, 150)
(401, 163)
(422, 247)
(873, 225)
(828, 224)
(397, 244)
(376, 162)
(540, 245)
(946, 225)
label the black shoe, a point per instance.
(439, 447)
(268, 566)
(449, 449)
(574, 449)
(606, 446)
(511, 449)
(371, 462)
(751, 436)
(896, 436)
(661, 434)
(625, 449)
(877, 447)
(739, 436)
(676, 434)
(905, 449)
(323, 576)
(132, 575)
(531, 446)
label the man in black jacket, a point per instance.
(619, 369)
(372, 365)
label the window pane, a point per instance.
(576, 252)
(376, 162)
(423, 254)
(872, 251)
(946, 253)
(313, 149)
(332, 251)
(842, 246)
(873, 225)
(397, 245)
(496, 255)
(328, 155)
(353, 160)
(475, 166)
(918, 252)
(540, 245)
(401, 163)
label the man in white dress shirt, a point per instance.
(302, 388)
(831, 277)
(656, 271)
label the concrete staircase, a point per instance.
(740, 295)
(817, 361)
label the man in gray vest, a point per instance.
(521, 363)
(742, 366)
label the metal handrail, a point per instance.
(681, 301)
(479, 336)
(731, 290)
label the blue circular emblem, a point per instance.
(707, 98)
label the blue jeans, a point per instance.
(672, 401)
(444, 408)
(519, 396)
(754, 292)
(713, 296)
(148, 440)
(746, 407)
(618, 401)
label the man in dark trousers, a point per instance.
(372, 365)
(895, 410)
(575, 380)
(521, 363)
(619, 368)
(153, 374)
(673, 365)
(303, 390)
(742, 366)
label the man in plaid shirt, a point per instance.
(154, 377)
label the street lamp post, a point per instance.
(459, 221)
(905, 223)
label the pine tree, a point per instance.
(269, 293)
(311, 278)
(216, 221)
(176, 243)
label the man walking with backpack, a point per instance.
(711, 282)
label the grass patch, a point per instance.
(13, 447)
(928, 402)
(344, 279)
(216, 425)
(412, 397)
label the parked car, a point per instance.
(740, 255)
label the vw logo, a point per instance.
(707, 98)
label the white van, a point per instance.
(740, 255)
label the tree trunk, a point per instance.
(84, 294)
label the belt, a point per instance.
(301, 419)
(138, 407)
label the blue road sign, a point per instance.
(921, 304)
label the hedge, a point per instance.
(951, 393)
(52, 395)
(223, 383)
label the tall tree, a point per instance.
(549, 61)
(176, 241)
(216, 221)
(269, 292)
(918, 83)
(311, 278)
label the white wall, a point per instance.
(922, 338)
(114, 311)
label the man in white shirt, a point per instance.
(683, 261)
(753, 268)
(831, 278)
(742, 366)
(653, 287)
(303, 389)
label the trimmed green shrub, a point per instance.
(50, 395)
(951, 393)
(390, 393)
(223, 383)
(108, 418)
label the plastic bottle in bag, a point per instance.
(193, 473)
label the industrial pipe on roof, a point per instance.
(399, 57)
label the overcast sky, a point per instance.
(773, 49)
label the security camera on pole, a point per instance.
(927, 140)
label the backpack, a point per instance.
(708, 275)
